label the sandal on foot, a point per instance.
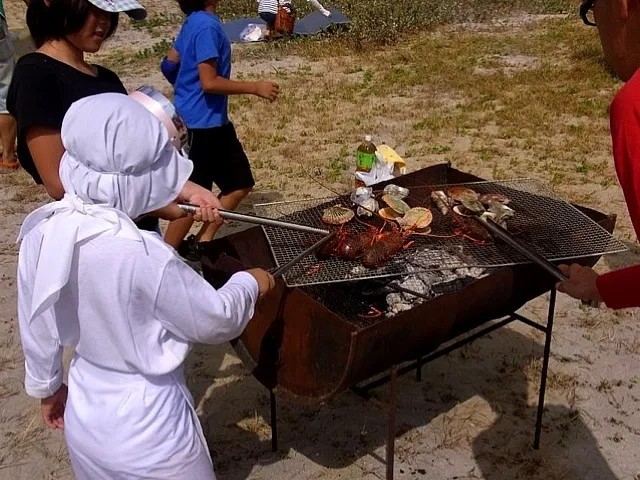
(9, 165)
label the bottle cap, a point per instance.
(367, 138)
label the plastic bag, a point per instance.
(253, 33)
(380, 172)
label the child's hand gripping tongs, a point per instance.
(254, 219)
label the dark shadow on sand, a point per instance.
(337, 435)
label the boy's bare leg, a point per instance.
(177, 231)
(229, 201)
(8, 138)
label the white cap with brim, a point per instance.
(130, 7)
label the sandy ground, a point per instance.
(472, 416)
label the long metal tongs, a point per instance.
(256, 220)
(278, 272)
(523, 249)
(520, 247)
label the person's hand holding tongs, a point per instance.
(192, 200)
(270, 222)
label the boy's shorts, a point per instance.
(268, 18)
(7, 64)
(218, 157)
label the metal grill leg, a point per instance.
(419, 369)
(545, 368)
(274, 423)
(393, 386)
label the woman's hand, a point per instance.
(580, 283)
(52, 408)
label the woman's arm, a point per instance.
(45, 146)
(212, 83)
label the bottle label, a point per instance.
(365, 161)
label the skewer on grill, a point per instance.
(254, 219)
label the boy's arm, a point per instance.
(170, 66)
(212, 83)
(173, 55)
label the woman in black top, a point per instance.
(48, 81)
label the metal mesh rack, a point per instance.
(549, 225)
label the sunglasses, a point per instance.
(586, 12)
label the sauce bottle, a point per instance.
(365, 158)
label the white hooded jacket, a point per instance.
(90, 280)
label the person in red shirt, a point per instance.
(618, 24)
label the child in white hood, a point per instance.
(90, 280)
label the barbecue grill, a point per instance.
(321, 333)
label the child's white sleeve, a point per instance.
(193, 310)
(41, 348)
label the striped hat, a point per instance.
(130, 7)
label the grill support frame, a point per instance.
(395, 371)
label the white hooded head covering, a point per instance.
(119, 164)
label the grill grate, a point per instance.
(549, 225)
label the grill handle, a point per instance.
(518, 246)
(278, 272)
(254, 219)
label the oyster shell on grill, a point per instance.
(367, 208)
(499, 213)
(487, 198)
(396, 191)
(389, 213)
(467, 197)
(396, 203)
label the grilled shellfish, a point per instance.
(337, 215)
(466, 197)
(499, 213)
(367, 208)
(416, 218)
(396, 203)
(442, 201)
(396, 191)
(389, 213)
(488, 198)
